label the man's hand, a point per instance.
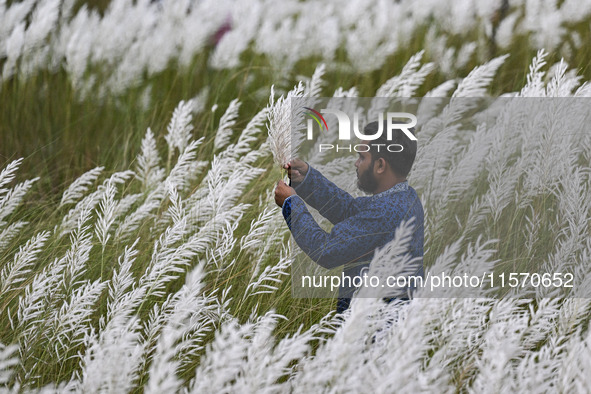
(296, 170)
(282, 191)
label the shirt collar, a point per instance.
(399, 187)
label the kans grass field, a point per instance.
(140, 246)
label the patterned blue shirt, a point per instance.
(360, 224)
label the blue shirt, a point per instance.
(360, 224)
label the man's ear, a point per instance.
(380, 166)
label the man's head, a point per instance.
(387, 162)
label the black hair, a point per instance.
(400, 162)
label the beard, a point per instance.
(366, 181)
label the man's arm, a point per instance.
(332, 202)
(351, 240)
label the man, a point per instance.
(360, 224)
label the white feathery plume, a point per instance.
(563, 83)
(224, 244)
(9, 233)
(463, 172)
(500, 344)
(475, 261)
(125, 204)
(222, 187)
(70, 324)
(228, 49)
(205, 312)
(502, 188)
(340, 92)
(270, 360)
(227, 121)
(8, 360)
(478, 212)
(122, 282)
(223, 359)
(14, 49)
(179, 128)
(188, 314)
(80, 186)
(70, 220)
(393, 259)
(106, 216)
(43, 21)
(314, 86)
(410, 78)
(44, 297)
(184, 170)
(573, 227)
(62, 275)
(133, 220)
(464, 54)
(270, 279)
(11, 16)
(403, 85)
(264, 244)
(152, 326)
(34, 302)
(280, 125)
(177, 209)
(441, 90)
(459, 326)
(225, 182)
(333, 356)
(507, 29)
(535, 86)
(475, 84)
(77, 256)
(118, 178)
(560, 364)
(13, 198)
(112, 358)
(199, 101)
(584, 90)
(169, 258)
(14, 273)
(248, 136)
(167, 261)
(8, 174)
(246, 357)
(148, 169)
(542, 318)
(259, 227)
(545, 133)
(180, 176)
(410, 335)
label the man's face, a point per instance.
(366, 180)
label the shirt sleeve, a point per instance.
(350, 241)
(331, 202)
